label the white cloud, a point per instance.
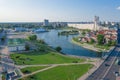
(118, 8)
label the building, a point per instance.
(46, 22)
(96, 23)
(59, 24)
(20, 29)
(88, 25)
(15, 43)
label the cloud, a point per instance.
(118, 8)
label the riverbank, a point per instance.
(90, 47)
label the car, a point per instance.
(116, 73)
(107, 65)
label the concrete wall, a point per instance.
(82, 26)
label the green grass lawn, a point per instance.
(72, 72)
(32, 69)
(42, 58)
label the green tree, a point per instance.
(92, 41)
(41, 41)
(83, 33)
(58, 48)
(27, 47)
(32, 37)
(100, 39)
(113, 43)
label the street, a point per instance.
(108, 68)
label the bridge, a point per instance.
(109, 70)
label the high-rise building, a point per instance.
(46, 22)
(96, 23)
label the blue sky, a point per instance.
(58, 10)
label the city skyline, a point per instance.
(62, 10)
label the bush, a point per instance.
(27, 47)
(41, 41)
(17, 56)
(58, 48)
(75, 61)
(92, 41)
(26, 72)
(32, 37)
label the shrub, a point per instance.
(32, 37)
(58, 48)
(27, 47)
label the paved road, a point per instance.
(103, 70)
(107, 72)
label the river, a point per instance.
(68, 48)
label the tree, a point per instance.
(3, 38)
(92, 41)
(113, 43)
(32, 37)
(109, 43)
(58, 48)
(41, 41)
(27, 47)
(100, 39)
(83, 33)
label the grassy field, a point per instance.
(72, 72)
(42, 58)
(32, 69)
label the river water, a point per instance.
(68, 48)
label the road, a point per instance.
(108, 68)
(103, 70)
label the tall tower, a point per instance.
(96, 23)
(46, 22)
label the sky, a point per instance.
(59, 10)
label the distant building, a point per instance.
(46, 22)
(20, 29)
(95, 25)
(59, 24)
(86, 25)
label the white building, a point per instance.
(82, 26)
(91, 26)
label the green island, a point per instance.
(69, 32)
(71, 72)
